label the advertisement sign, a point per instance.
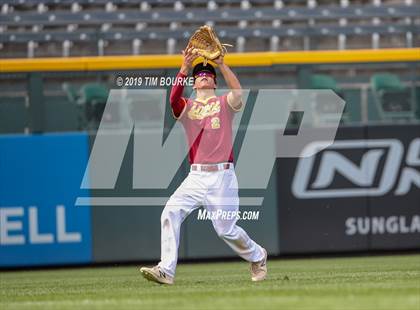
(394, 221)
(360, 193)
(39, 182)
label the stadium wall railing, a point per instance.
(235, 60)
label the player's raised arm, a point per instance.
(234, 97)
(176, 99)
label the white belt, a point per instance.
(211, 167)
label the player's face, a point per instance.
(204, 80)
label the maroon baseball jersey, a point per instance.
(207, 124)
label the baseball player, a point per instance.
(211, 182)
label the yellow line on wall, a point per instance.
(234, 59)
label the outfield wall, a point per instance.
(362, 193)
(355, 208)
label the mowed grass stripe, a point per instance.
(379, 282)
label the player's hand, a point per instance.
(219, 60)
(189, 57)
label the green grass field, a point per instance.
(387, 282)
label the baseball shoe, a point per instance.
(157, 275)
(259, 269)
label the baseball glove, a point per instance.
(206, 44)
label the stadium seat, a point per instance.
(93, 93)
(386, 81)
(322, 81)
(325, 111)
(393, 100)
(90, 99)
(318, 24)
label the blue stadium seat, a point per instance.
(312, 22)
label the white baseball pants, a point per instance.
(214, 191)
